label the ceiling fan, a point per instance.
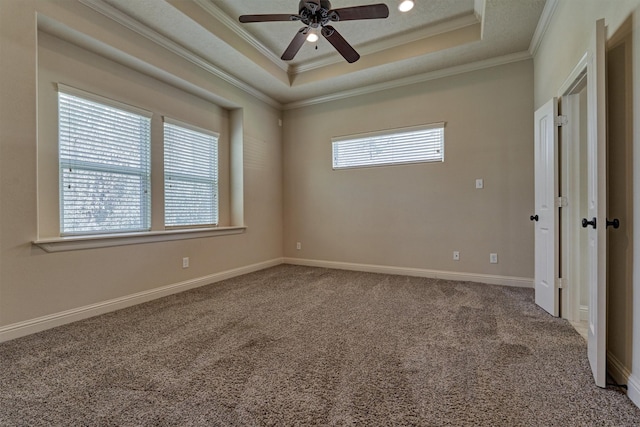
(318, 13)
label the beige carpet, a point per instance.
(308, 346)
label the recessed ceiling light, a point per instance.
(405, 5)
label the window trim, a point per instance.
(382, 133)
(72, 243)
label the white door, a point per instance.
(595, 223)
(545, 216)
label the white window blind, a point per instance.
(397, 146)
(190, 176)
(104, 165)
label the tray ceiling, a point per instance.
(436, 35)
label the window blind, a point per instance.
(104, 156)
(408, 145)
(191, 176)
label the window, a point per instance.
(104, 165)
(190, 175)
(397, 146)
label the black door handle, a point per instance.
(533, 217)
(586, 223)
(615, 223)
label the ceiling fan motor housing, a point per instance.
(314, 13)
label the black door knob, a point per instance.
(586, 223)
(615, 223)
(533, 217)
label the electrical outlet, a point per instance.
(185, 262)
(493, 258)
(479, 183)
(298, 245)
(456, 255)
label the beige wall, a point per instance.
(62, 62)
(415, 216)
(34, 283)
(564, 43)
(567, 37)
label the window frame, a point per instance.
(192, 178)
(386, 134)
(144, 172)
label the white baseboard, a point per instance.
(31, 326)
(622, 375)
(617, 370)
(584, 313)
(521, 282)
(633, 392)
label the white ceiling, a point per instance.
(436, 35)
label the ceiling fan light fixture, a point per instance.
(406, 5)
(312, 37)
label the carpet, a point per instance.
(297, 346)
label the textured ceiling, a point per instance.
(435, 35)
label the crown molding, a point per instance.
(217, 13)
(133, 25)
(543, 24)
(419, 78)
(390, 42)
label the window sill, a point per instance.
(73, 243)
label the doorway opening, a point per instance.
(573, 173)
(620, 203)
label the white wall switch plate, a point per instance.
(479, 183)
(456, 255)
(298, 245)
(185, 262)
(493, 258)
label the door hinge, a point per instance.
(561, 202)
(560, 120)
(559, 282)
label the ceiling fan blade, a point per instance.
(268, 18)
(296, 44)
(373, 11)
(341, 45)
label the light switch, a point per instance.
(479, 183)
